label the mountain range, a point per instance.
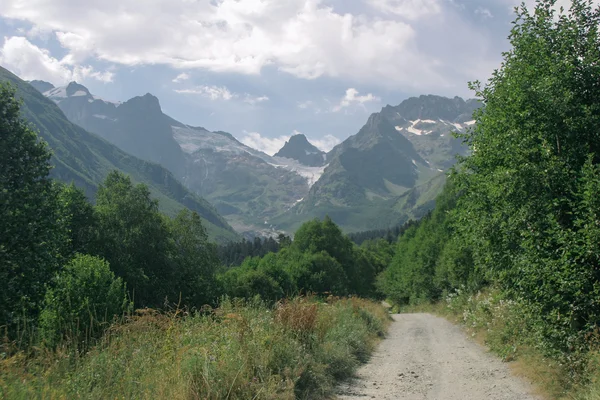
(86, 159)
(389, 171)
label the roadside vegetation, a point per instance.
(72, 273)
(297, 348)
(512, 248)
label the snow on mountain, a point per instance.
(192, 140)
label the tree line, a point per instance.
(69, 268)
(522, 211)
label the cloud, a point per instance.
(326, 143)
(410, 9)
(31, 62)
(267, 145)
(212, 92)
(181, 77)
(254, 100)
(271, 146)
(222, 93)
(305, 38)
(484, 12)
(352, 97)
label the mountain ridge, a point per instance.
(85, 159)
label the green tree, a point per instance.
(134, 238)
(195, 261)
(85, 298)
(525, 185)
(30, 240)
(78, 219)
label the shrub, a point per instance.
(85, 298)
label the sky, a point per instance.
(262, 70)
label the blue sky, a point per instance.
(260, 69)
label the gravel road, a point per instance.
(427, 358)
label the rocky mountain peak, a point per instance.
(300, 149)
(41, 86)
(76, 89)
(146, 103)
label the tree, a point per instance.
(78, 219)
(534, 147)
(134, 238)
(195, 261)
(30, 240)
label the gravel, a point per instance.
(427, 358)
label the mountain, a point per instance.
(86, 159)
(246, 186)
(427, 121)
(391, 170)
(136, 126)
(41, 86)
(300, 149)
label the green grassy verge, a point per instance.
(297, 349)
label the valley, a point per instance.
(384, 175)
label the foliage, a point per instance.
(429, 259)
(83, 301)
(234, 253)
(320, 260)
(86, 159)
(243, 350)
(30, 239)
(527, 210)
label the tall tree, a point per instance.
(29, 238)
(134, 238)
(534, 147)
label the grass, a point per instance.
(298, 349)
(506, 328)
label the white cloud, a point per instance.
(212, 92)
(222, 93)
(181, 77)
(410, 9)
(264, 144)
(326, 143)
(484, 12)
(352, 97)
(305, 38)
(31, 62)
(254, 100)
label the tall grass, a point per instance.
(242, 350)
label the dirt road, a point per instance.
(427, 358)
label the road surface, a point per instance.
(427, 358)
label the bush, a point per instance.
(85, 298)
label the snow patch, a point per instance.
(192, 140)
(100, 116)
(79, 93)
(57, 93)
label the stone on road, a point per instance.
(427, 358)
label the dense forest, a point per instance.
(521, 214)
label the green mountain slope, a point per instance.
(391, 170)
(86, 159)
